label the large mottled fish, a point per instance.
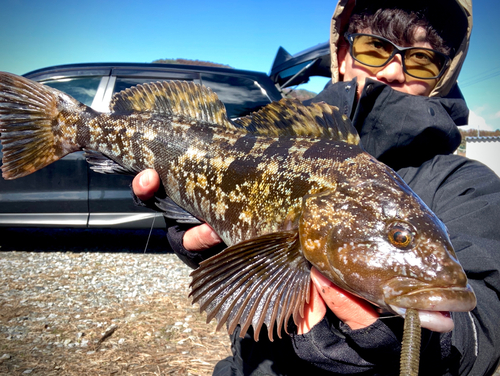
(286, 188)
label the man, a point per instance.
(406, 107)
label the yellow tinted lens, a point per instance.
(371, 50)
(423, 63)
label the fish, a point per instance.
(286, 188)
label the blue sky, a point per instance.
(245, 35)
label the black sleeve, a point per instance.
(333, 346)
(175, 234)
(375, 350)
(465, 195)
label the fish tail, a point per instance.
(33, 119)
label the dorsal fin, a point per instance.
(199, 103)
(292, 118)
(177, 98)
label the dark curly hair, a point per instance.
(398, 26)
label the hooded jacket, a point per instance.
(452, 18)
(417, 137)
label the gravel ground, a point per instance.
(85, 311)
(93, 313)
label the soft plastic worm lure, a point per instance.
(410, 351)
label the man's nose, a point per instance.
(392, 71)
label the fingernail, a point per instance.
(215, 236)
(144, 179)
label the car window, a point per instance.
(301, 88)
(82, 89)
(240, 95)
(123, 83)
(308, 89)
(288, 74)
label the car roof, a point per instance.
(141, 66)
(138, 69)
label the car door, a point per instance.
(55, 195)
(110, 198)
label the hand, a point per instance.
(353, 311)
(197, 238)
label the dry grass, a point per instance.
(146, 339)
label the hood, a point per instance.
(458, 18)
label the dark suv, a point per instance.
(67, 193)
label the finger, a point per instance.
(145, 184)
(354, 311)
(314, 311)
(200, 237)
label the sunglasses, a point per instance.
(418, 62)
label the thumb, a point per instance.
(145, 184)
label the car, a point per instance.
(68, 193)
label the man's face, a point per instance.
(391, 74)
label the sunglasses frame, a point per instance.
(397, 50)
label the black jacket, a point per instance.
(415, 136)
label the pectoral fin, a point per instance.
(259, 281)
(173, 211)
(104, 165)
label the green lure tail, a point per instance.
(410, 352)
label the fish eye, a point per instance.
(400, 235)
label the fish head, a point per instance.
(378, 240)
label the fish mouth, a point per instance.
(434, 305)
